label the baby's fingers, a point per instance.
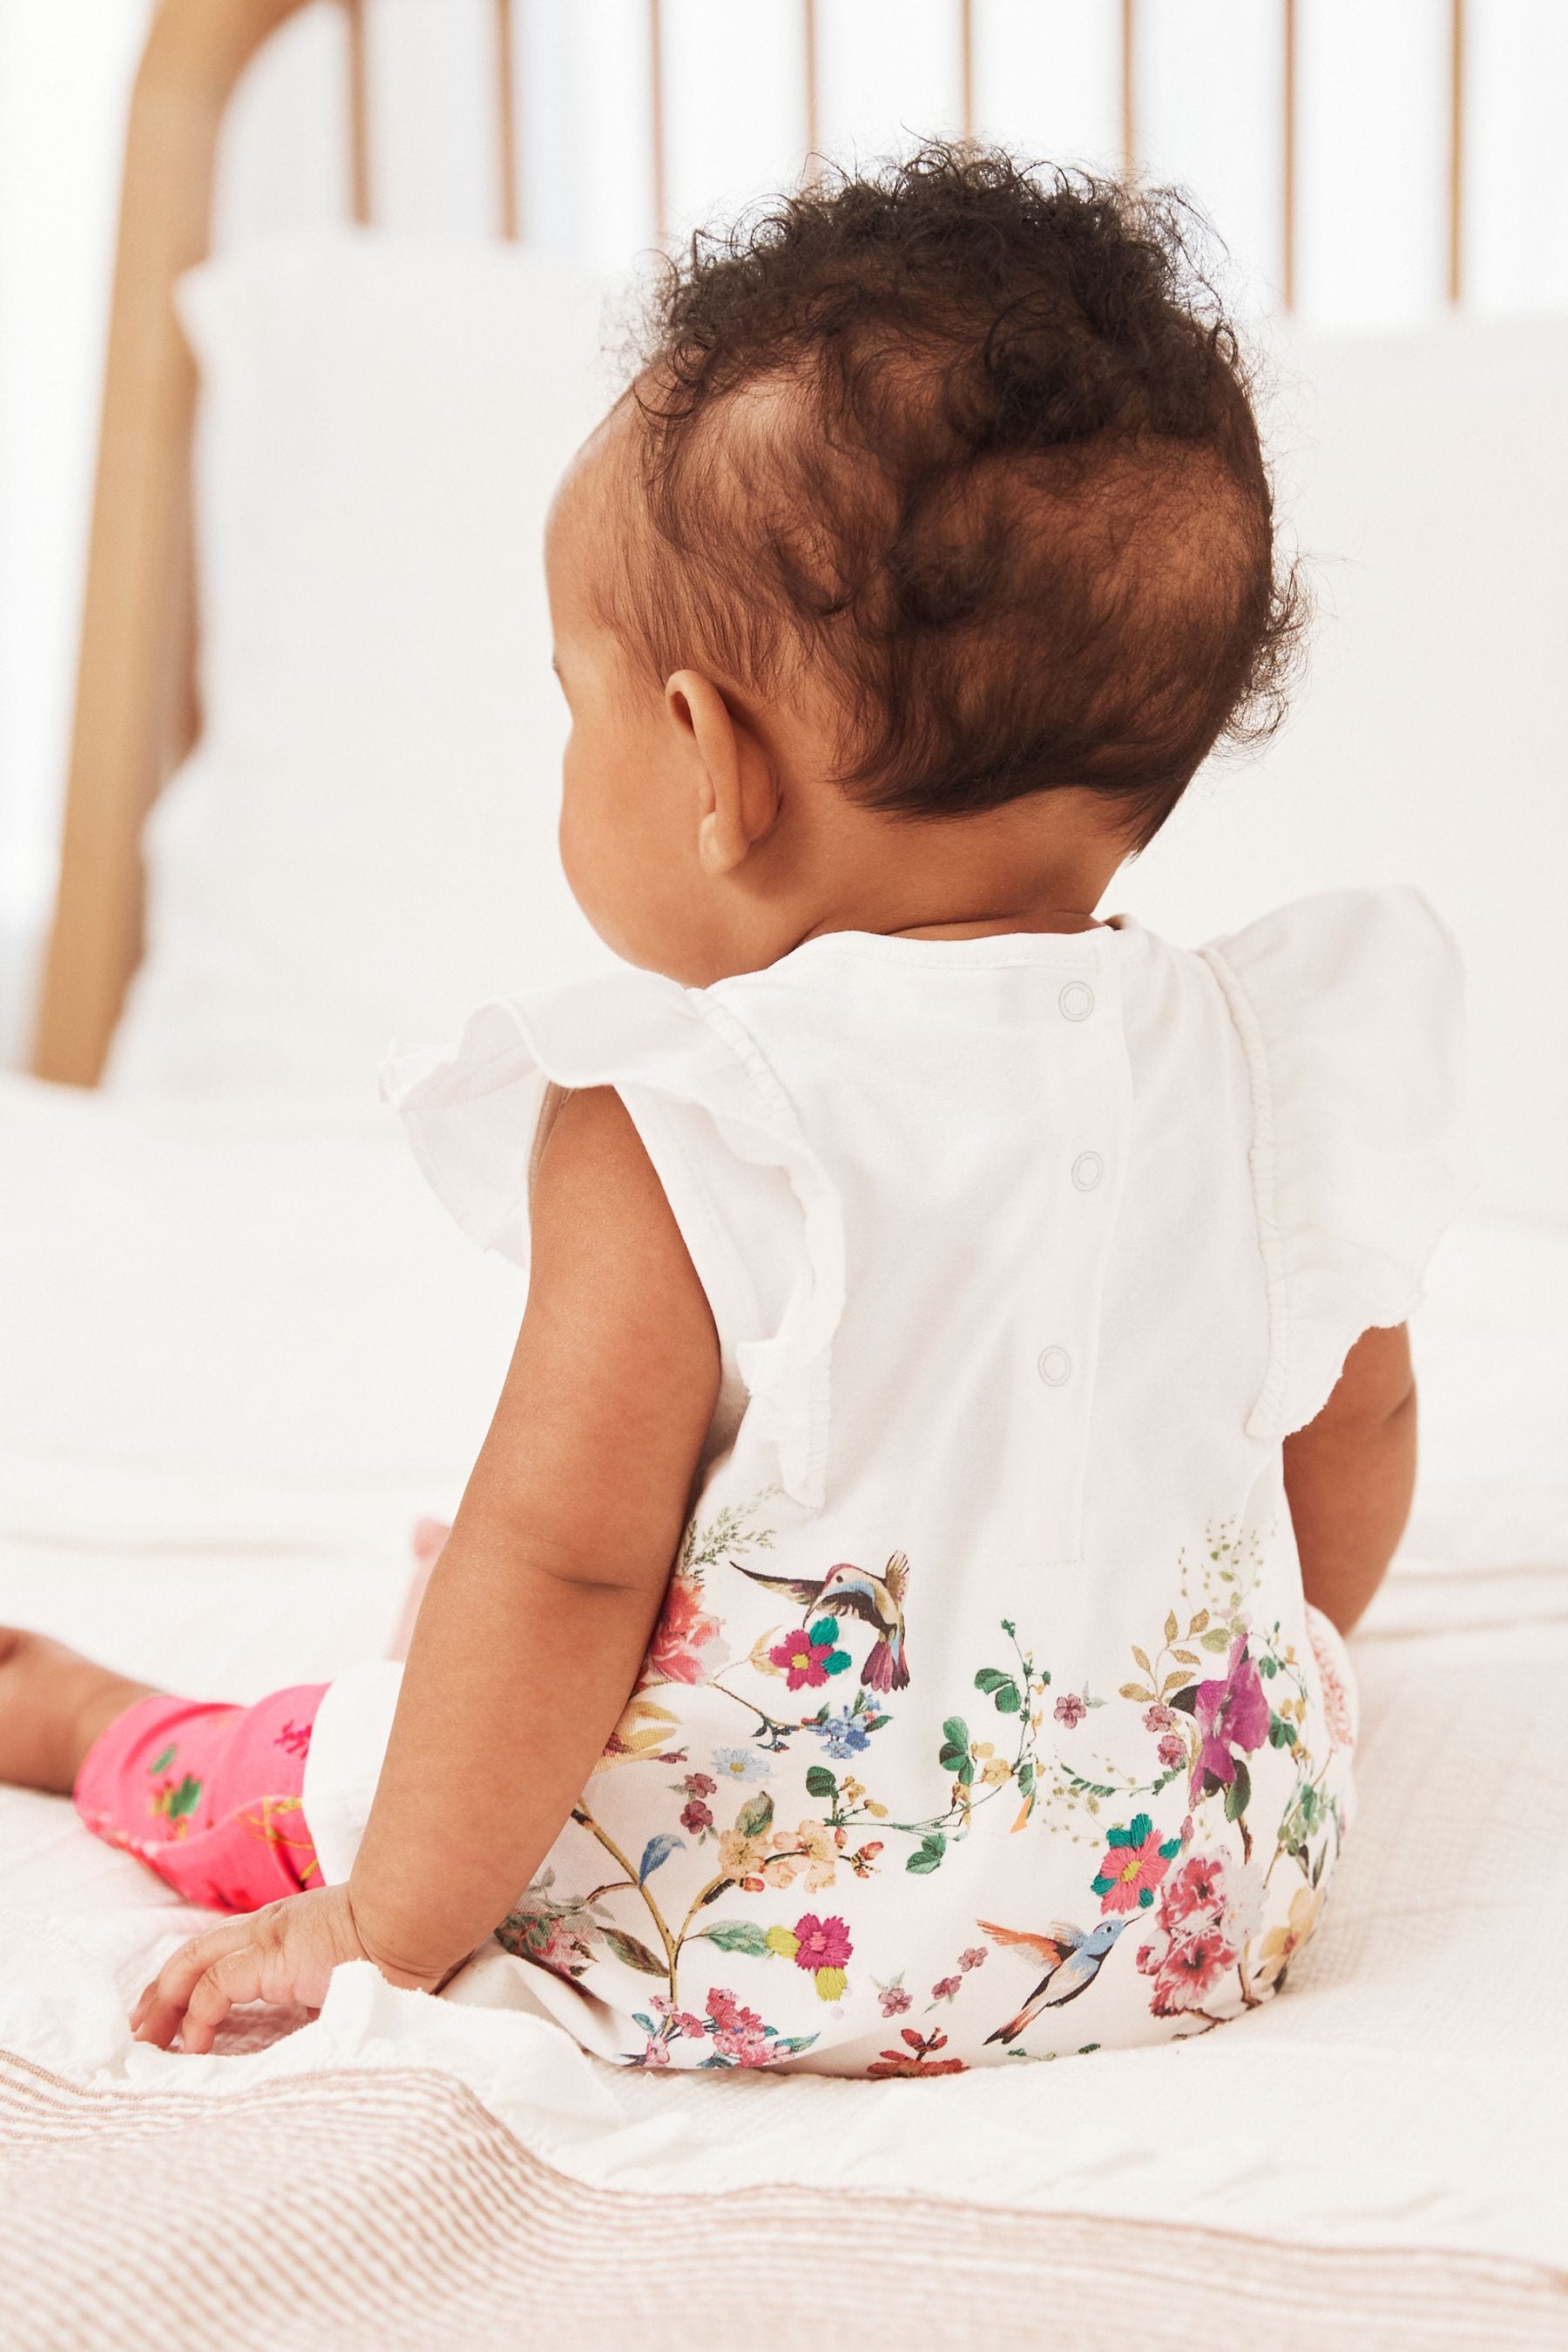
(165, 2004)
(229, 1984)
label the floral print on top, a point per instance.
(1207, 1824)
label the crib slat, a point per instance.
(359, 115)
(966, 66)
(506, 117)
(655, 121)
(1128, 89)
(809, 84)
(1455, 149)
(135, 701)
(1288, 165)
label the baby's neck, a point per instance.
(1038, 864)
(996, 925)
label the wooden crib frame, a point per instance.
(137, 713)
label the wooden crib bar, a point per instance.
(136, 715)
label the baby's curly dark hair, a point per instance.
(971, 445)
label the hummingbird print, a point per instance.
(850, 1592)
(1072, 1959)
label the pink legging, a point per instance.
(208, 1796)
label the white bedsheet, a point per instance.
(240, 1353)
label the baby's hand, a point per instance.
(285, 1953)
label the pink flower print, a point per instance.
(1196, 1891)
(1132, 1865)
(824, 1943)
(893, 1999)
(1336, 1702)
(1192, 1967)
(1158, 1719)
(973, 1958)
(820, 1946)
(1149, 1958)
(684, 1631)
(1172, 1750)
(696, 1817)
(738, 2034)
(946, 1987)
(657, 2053)
(294, 1738)
(699, 1784)
(808, 1657)
(681, 2020)
(1230, 1714)
(1070, 1709)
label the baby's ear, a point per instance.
(736, 785)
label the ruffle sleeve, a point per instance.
(478, 1114)
(1349, 1009)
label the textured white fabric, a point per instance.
(415, 2222)
(364, 837)
(1406, 2092)
(1076, 1228)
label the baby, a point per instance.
(894, 1620)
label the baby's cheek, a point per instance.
(601, 868)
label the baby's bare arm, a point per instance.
(1349, 1477)
(539, 1610)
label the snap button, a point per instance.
(1054, 1367)
(1087, 1171)
(1077, 1000)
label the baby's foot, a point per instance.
(53, 1705)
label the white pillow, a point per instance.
(363, 845)
(1427, 476)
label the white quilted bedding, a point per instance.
(239, 1352)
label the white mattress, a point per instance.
(242, 1352)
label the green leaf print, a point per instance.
(1281, 1733)
(738, 1936)
(954, 1749)
(1300, 1822)
(1239, 1794)
(756, 1816)
(1001, 1688)
(820, 1781)
(185, 1797)
(632, 1954)
(161, 1761)
(933, 1845)
(1218, 1638)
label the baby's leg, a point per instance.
(53, 1703)
(207, 1796)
